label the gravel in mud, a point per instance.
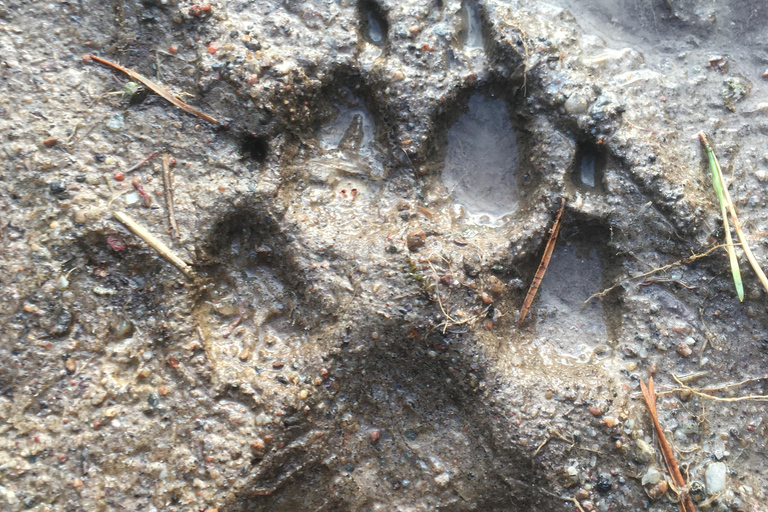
(362, 224)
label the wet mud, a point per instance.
(363, 226)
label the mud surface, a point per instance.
(363, 223)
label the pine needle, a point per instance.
(649, 394)
(156, 88)
(542, 266)
(721, 191)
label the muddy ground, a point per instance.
(362, 220)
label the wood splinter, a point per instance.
(162, 249)
(542, 266)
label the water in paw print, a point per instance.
(348, 139)
(481, 161)
(566, 331)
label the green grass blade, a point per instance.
(717, 182)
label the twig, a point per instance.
(156, 88)
(162, 249)
(686, 503)
(543, 443)
(553, 433)
(700, 391)
(732, 210)
(564, 498)
(654, 271)
(138, 165)
(449, 319)
(168, 193)
(542, 266)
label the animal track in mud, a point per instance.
(374, 25)
(589, 166)
(254, 147)
(567, 331)
(252, 322)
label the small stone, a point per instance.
(657, 491)
(50, 142)
(375, 436)
(495, 286)
(651, 477)
(697, 492)
(415, 240)
(715, 477)
(124, 329)
(596, 410)
(581, 494)
(684, 349)
(303, 394)
(58, 187)
(487, 299)
(70, 365)
(587, 505)
(443, 479)
(62, 325)
(116, 123)
(610, 421)
(576, 104)
(644, 452)
(604, 484)
(79, 217)
(761, 176)
(259, 447)
(571, 477)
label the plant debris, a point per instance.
(542, 266)
(156, 88)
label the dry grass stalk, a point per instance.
(156, 88)
(701, 391)
(686, 503)
(678, 263)
(542, 266)
(162, 249)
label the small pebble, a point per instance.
(596, 410)
(415, 240)
(58, 187)
(715, 477)
(495, 286)
(604, 484)
(375, 436)
(116, 123)
(581, 494)
(79, 217)
(610, 421)
(657, 491)
(70, 365)
(443, 479)
(571, 477)
(684, 349)
(50, 142)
